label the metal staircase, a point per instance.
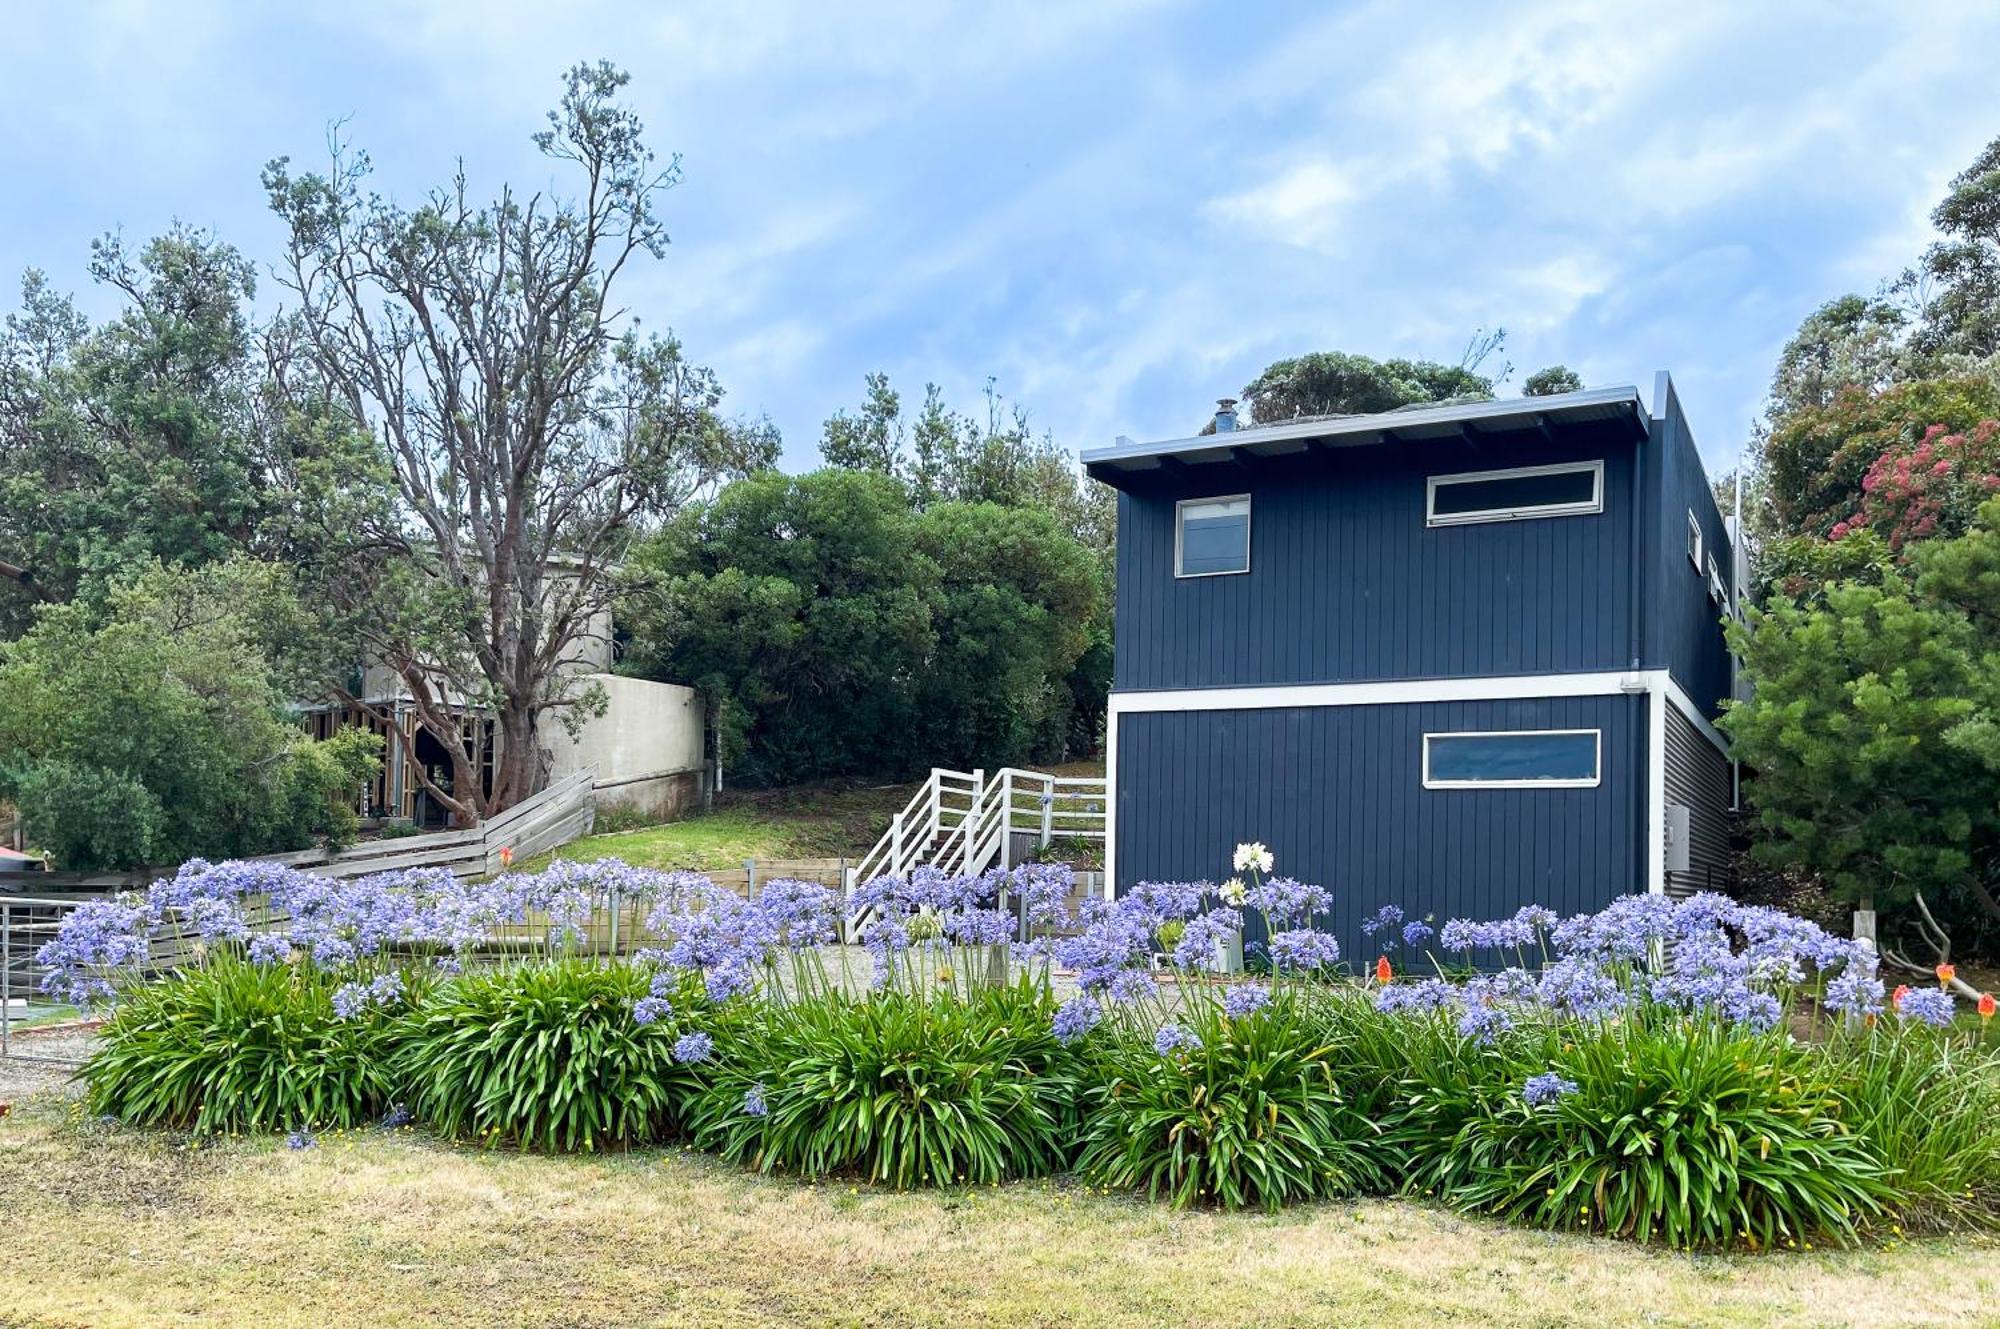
(965, 822)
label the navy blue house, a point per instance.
(1456, 658)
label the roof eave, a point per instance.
(1465, 418)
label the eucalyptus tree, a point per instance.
(526, 426)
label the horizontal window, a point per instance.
(1516, 759)
(1516, 495)
(1212, 536)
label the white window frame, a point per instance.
(1717, 592)
(1695, 542)
(1580, 509)
(1249, 515)
(1597, 762)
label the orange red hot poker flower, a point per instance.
(1383, 973)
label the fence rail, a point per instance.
(565, 811)
(26, 922)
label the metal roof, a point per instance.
(1450, 420)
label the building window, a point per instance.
(1516, 759)
(1519, 494)
(1212, 536)
(1694, 541)
(1716, 590)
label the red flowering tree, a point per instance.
(1931, 489)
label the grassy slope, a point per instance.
(828, 820)
(396, 1230)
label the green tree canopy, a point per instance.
(944, 456)
(841, 630)
(1957, 282)
(1548, 382)
(147, 438)
(1336, 383)
(156, 731)
(1871, 725)
(1815, 460)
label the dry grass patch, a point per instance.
(398, 1230)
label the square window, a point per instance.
(1518, 759)
(1212, 536)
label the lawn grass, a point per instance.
(832, 819)
(41, 1016)
(395, 1229)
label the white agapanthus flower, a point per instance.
(1233, 892)
(1253, 857)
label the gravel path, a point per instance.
(20, 1077)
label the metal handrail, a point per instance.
(934, 829)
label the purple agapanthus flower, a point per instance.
(1432, 994)
(651, 1010)
(1285, 900)
(1579, 988)
(753, 1101)
(1386, 919)
(1075, 1018)
(1483, 1024)
(1932, 1006)
(1418, 932)
(1171, 1038)
(693, 1048)
(1199, 940)
(349, 1000)
(269, 948)
(1302, 949)
(1857, 990)
(1245, 999)
(1546, 1088)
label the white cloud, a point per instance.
(1302, 206)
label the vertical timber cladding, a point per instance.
(1698, 779)
(1337, 793)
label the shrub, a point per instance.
(239, 1046)
(1232, 1110)
(1927, 1103)
(1687, 1131)
(907, 1089)
(549, 1056)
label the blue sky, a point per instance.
(1121, 210)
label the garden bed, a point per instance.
(1639, 1078)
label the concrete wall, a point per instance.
(647, 746)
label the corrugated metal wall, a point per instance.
(1337, 794)
(1346, 581)
(1698, 779)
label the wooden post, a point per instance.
(749, 878)
(1048, 810)
(6, 974)
(896, 843)
(1864, 922)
